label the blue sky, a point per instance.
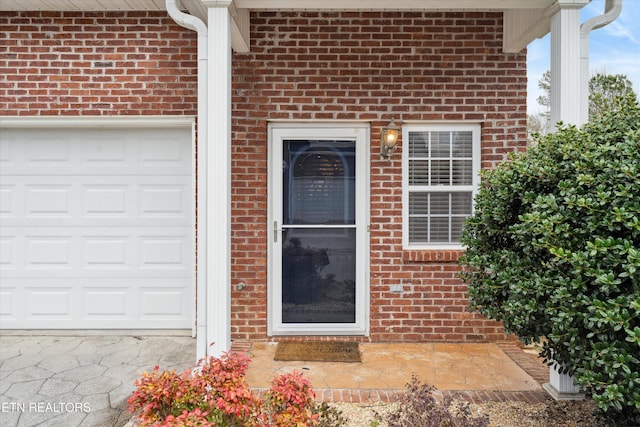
(614, 49)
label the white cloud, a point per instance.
(618, 30)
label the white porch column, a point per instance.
(565, 61)
(219, 178)
(565, 107)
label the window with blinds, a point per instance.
(441, 166)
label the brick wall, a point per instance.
(302, 66)
(374, 67)
(96, 63)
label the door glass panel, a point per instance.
(319, 232)
(318, 275)
(318, 182)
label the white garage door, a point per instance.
(96, 228)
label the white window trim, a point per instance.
(360, 133)
(475, 129)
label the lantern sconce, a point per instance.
(389, 139)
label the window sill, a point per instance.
(432, 255)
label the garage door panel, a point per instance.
(163, 151)
(9, 253)
(50, 252)
(60, 303)
(24, 301)
(97, 228)
(8, 149)
(163, 200)
(138, 201)
(49, 152)
(108, 252)
(50, 303)
(112, 201)
(8, 303)
(41, 252)
(109, 302)
(113, 150)
(105, 170)
(50, 200)
(98, 252)
(164, 253)
(91, 152)
(8, 201)
(156, 303)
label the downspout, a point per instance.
(611, 12)
(194, 23)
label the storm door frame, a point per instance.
(279, 132)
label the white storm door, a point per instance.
(319, 240)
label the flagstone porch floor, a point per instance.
(474, 372)
(97, 369)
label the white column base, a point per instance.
(561, 386)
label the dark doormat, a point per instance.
(318, 351)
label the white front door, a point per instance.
(319, 240)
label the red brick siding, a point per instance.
(374, 67)
(96, 63)
(302, 66)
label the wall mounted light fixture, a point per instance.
(389, 139)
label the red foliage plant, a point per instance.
(217, 394)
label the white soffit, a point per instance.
(391, 4)
(102, 5)
(81, 5)
(525, 20)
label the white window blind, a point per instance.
(440, 175)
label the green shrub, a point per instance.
(553, 249)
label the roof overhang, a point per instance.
(113, 5)
(414, 5)
(525, 20)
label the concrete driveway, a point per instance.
(83, 378)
